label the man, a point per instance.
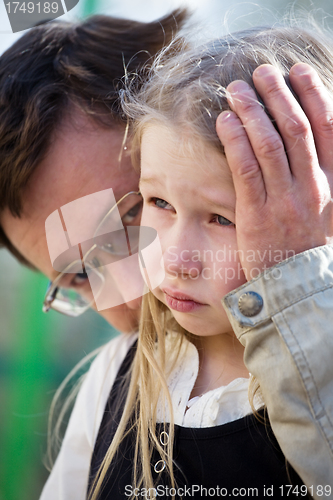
(62, 131)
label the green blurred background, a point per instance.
(36, 353)
(36, 350)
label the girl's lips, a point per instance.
(180, 302)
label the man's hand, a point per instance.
(283, 181)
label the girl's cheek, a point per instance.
(236, 277)
(151, 218)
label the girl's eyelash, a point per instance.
(159, 202)
(223, 221)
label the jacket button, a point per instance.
(250, 304)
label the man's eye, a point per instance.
(158, 202)
(133, 215)
(223, 221)
(79, 279)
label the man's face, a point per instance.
(83, 158)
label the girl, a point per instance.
(178, 420)
(189, 373)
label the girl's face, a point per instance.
(191, 204)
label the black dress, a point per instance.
(238, 459)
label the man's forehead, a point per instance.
(77, 164)
(78, 121)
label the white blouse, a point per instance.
(69, 477)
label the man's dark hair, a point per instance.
(58, 64)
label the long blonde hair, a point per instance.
(147, 384)
(188, 91)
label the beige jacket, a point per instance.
(287, 331)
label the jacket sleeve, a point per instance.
(284, 319)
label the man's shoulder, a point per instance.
(111, 355)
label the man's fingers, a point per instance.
(246, 173)
(266, 142)
(318, 107)
(291, 120)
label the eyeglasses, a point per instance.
(70, 293)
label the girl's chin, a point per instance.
(202, 327)
(192, 325)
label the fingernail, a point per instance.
(265, 70)
(300, 69)
(237, 86)
(224, 116)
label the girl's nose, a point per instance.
(182, 261)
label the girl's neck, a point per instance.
(220, 362)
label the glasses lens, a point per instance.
(68, 302)
(118, 243)
(73, 294)
(130, 210)
(115, 244)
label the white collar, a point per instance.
(215, 407)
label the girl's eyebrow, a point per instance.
(218, 203)
(210, 200)
(149, 180)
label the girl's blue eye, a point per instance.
(161, 203)
(223, 221)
